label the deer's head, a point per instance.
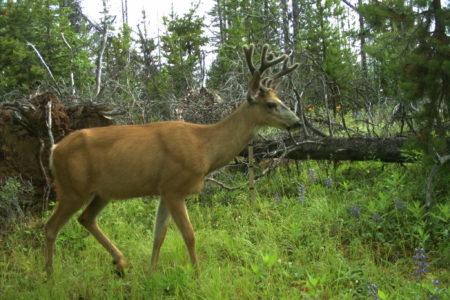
(261, 96)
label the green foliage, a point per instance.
(13, 195)
(411, 44)
(235, 28)
(181, 46)
(41, 23)
(277, 247)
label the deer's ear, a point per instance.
(251, 97)
(254, 87)
(262, 92)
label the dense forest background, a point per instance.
(374, 59)
(368, 70)
(374, 79)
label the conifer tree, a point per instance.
(46, 25)
(412, 47)
(182, 50)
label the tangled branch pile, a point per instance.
(26, 137)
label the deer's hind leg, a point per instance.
(89, 220)
(67, 206)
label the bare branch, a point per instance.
(45, 65)
(350, 5)
(325, 99)
(298, 97)
(48, 122)
(98, 76)
(72, 80)
(44, 172)
(222, 185)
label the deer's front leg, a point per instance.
(178, 211)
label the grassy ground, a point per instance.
(316, 232)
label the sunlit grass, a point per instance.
(276, 247)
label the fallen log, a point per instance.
(388, 149)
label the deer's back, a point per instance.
(130, 161)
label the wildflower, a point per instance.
(376, 217)
(312, 175)
(399, 204)
(329, 182)
(277, 197)
(435, 282)
(373, 290)
(355, 209)
(421, 263)
(301, 193)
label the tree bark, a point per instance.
(362, 41)
(332, 148)
(362, 35)
(222, 22)
(295, 20)
(285, 20)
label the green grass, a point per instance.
(327, 246)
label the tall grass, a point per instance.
(313, 232)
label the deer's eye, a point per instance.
(271, 105)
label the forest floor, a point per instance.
(315, 231)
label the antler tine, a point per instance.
(268, 61)
(286, 68)
(266, 82)
(249, 50)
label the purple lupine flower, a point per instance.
(277, 197)
(355, 210)
(399, 204)
(373, 290)
(301, 193)
(329, 182)
(376, 217)
(312, 175)
(420, 260)
(435, 282)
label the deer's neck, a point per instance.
(230, 136)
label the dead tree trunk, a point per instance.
(331, 148)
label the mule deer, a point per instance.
(171, 159)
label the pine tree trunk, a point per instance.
(285, 20)
(295, 20)
(362, 41)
